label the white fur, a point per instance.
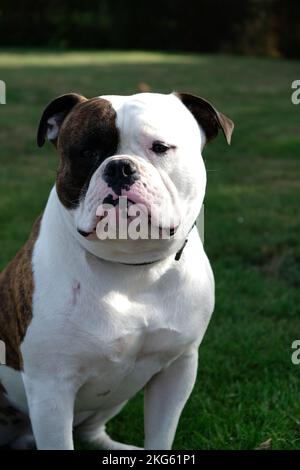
(52, 129)
(101, 330)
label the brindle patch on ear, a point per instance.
(88, 135)
(16, 289)
(207, 116)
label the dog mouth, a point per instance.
(115, 203)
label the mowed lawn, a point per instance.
(248, 391)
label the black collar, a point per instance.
(177, 256)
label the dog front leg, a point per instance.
(165, 397)
(51, 408)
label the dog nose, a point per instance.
(120, 174)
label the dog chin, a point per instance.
(130, 251)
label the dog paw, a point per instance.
(104, 442)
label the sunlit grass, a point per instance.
(61, 58)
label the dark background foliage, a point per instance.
(260, 27)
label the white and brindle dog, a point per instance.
(87, 323)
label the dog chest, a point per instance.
(125, 349)
(128, 364)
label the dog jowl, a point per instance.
(88, 322)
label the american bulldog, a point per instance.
(88, 321)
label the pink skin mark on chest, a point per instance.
(75, 292)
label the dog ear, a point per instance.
(54, 115)
(207, 116)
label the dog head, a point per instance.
(144, 149)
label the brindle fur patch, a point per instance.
(87, 136)
(16, 288)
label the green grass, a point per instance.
(247, 390)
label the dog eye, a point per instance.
(90, 154)
(159, 147)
